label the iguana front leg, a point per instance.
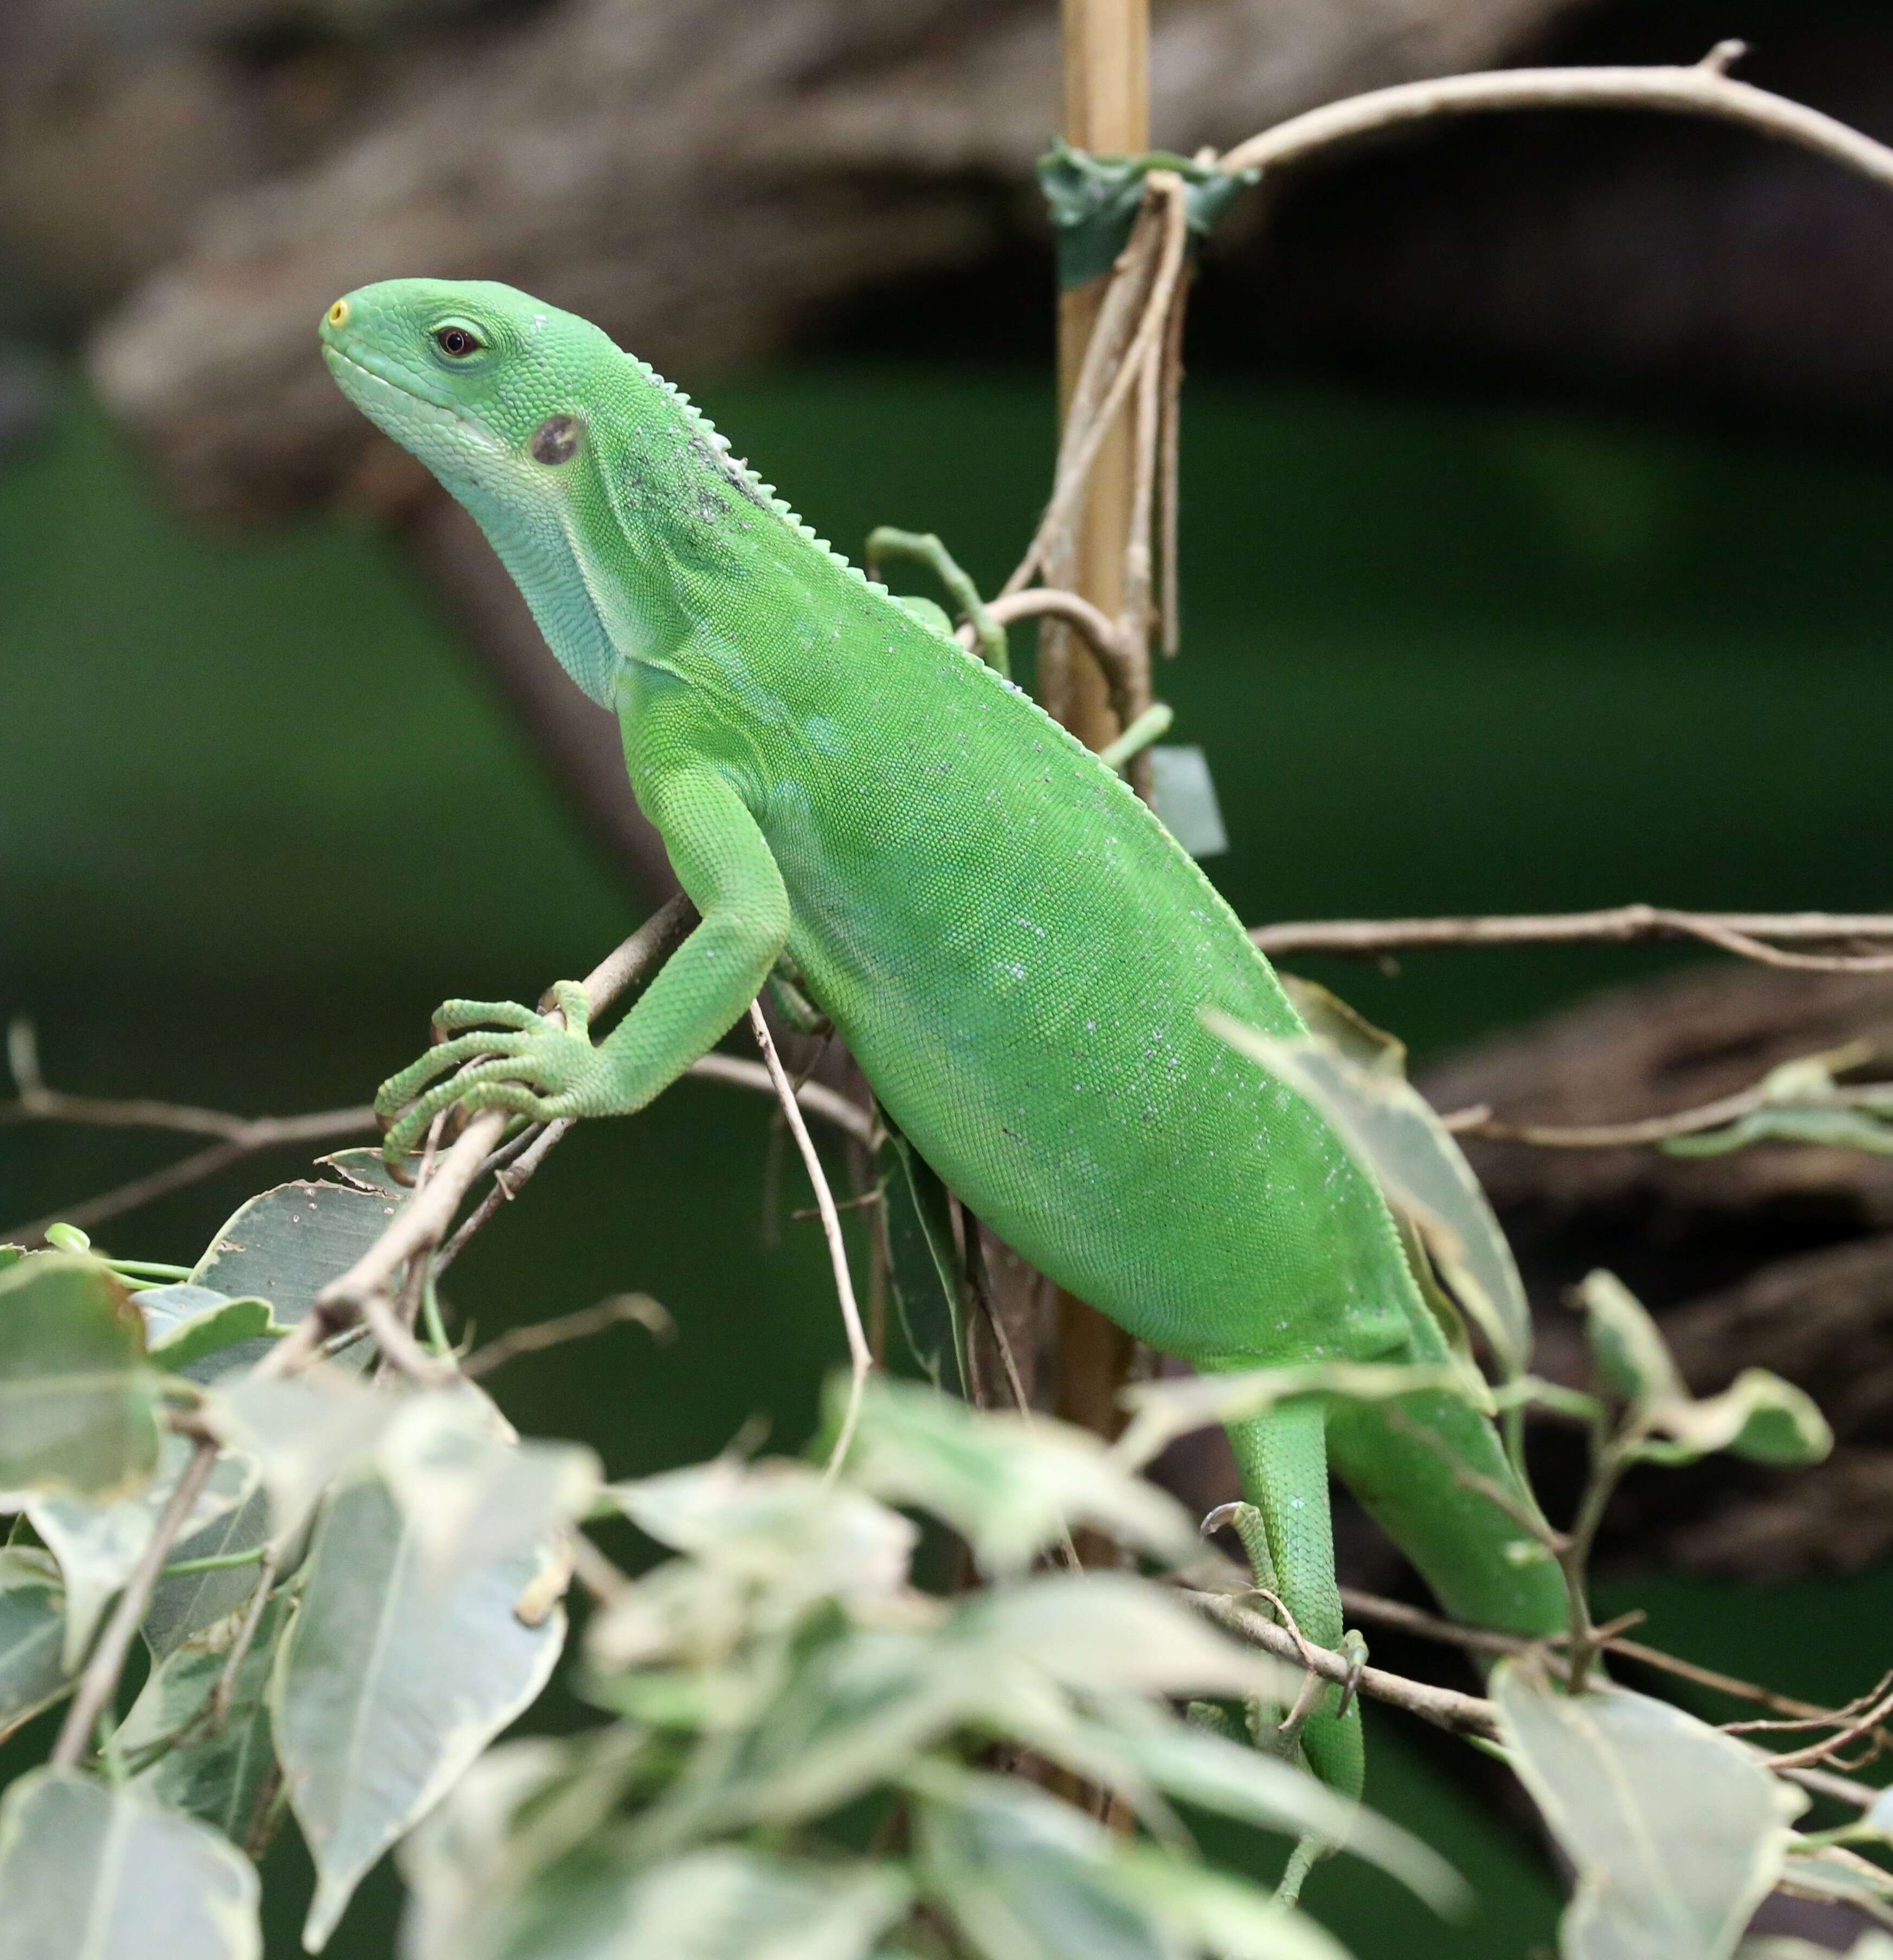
(534, 1067)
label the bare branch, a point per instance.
(1445, 1707)
(240, 1136)
(1744, 932)
(1704, 90)
(861, 1356)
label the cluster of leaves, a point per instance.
(801, 1753)
(798, 1748)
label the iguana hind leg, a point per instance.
(1282, 1455)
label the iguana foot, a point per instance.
(519, 1060)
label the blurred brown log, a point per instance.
(697, 175)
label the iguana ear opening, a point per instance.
(555, 440)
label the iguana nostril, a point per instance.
(339, 313)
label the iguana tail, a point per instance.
(1428, 1468)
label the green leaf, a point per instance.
(32, 1674)
(463, 1861)
(1840, 1129)
(768, 1541)
(1162, 1411)
(1397, 1134)
(1804, 1105)
(1218, 1913)
(1198, 1767)
(1870, 1945)
(858, 1708)
(1627, 1349)
(221, 1777)
(390, 1683)
(852, 1715)
(1027, 1878)
(1758, 1416)
(365, 1168)
(1330, 1019)
(97, 1545)
(721, 1902)
(79, 1404)
(304, 1430)
(1833, 1872)
(1676, 1831)
(776, 1523)
(1008, 1486)
(285, 1246)
(86, 1871)
(184, 1323)
(1102, 1632)
(470, 1493)
(925, 1272)
(182, 1607)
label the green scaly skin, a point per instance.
(1012, 945)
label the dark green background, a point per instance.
(257, 815)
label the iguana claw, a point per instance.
(529, 1065)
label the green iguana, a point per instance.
(1013, 946)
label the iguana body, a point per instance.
(1013, 947)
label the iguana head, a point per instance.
(487, 386)
(507, 400)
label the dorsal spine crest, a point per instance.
(700, 425)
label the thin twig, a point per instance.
(1701, 91)
(1744, 932)
(1374, 1609)
(1480, 1121)
(860, 1357)
(508, 1177)
(1377, 1611)
(225, 1692)
(100, 1681)
(1709, 1677)
(1071, 609)
(1288, 1730)
(815, 1097)
(1822, 1751)
(1105, 352)
(1815, 1718)
(862, 1201)
(260, 1133)
(1084, 437)
(1169, 454)
(536, 1334)
(979, 1279)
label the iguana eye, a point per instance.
(455, 341)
